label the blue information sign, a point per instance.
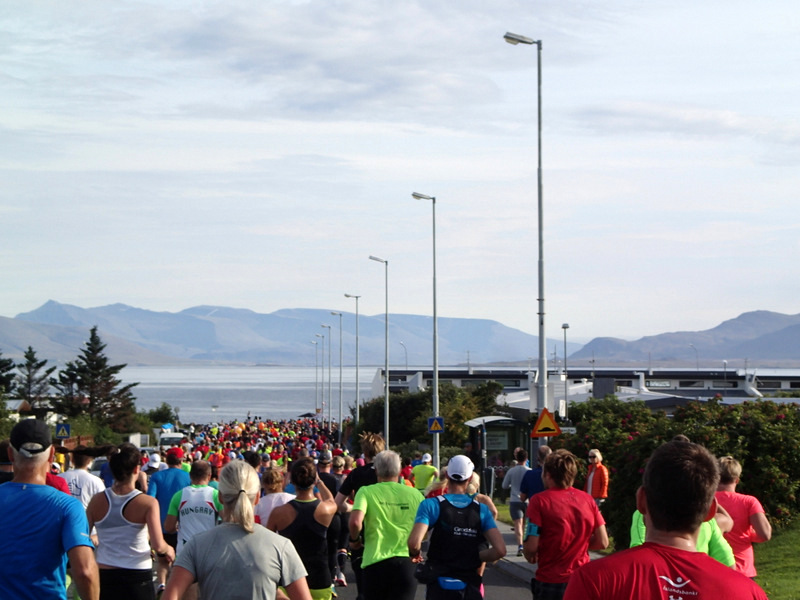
(62, 431)
(436, 425)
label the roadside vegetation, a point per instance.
(762, 435)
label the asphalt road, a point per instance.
(497, 584)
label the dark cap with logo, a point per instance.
(31, 437)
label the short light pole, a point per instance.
(541, 385)
(358, 400)
(725, 374)
(405, 350)
(565, 326)
(316, 375)
(386, 351)
(322, 387)
(330, 401)
(435, 394)
(334, 313)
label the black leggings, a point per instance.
(126, 584)
(390, 579)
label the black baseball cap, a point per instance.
(31, 437)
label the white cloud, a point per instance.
(254, 154)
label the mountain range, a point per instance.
(232, 335)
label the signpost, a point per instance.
(546, 426)
(435, 424)
(63, 431)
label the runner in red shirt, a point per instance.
(565, 524)
(677, 495)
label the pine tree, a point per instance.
(7, 376)
(91, 386)
(69, 401)
(33, 385)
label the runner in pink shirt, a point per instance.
(750, 524)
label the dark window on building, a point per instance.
(690, 384)
(725, 384)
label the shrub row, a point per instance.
(763, 435)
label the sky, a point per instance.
(169, 154)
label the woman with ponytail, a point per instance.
(237, 559)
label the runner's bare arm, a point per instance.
(84, 572)
(761, 526)
(599, 539)
(497, 549)
(298, 590)
(415, 539)
(179, 581)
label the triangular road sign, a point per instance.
(546, 426)
(436, 425)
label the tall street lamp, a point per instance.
(386, 352)
(330, 402)
(405, 351)
(696, 357)
(419, 196)
(565, 326)
(334, 313)
(322, 387)
(316, 374)
(358, 401)
(541, 385)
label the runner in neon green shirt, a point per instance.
(424, 474)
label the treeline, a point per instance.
(409, 412)
(762, 435)
(87, 392)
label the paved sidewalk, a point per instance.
(516, 566)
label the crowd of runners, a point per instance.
(274, 509)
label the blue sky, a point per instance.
(254, 154)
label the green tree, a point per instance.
(90, 385)
(162, 414)
(33, 382)
(409, 413)
(69, 401)
(7, 376)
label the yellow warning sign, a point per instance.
(546, 425)
(436, 425)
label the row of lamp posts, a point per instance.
(541, 386)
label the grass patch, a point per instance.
(776, 563)
(502, 513)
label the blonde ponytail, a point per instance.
(238, 488)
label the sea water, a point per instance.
(212, 394)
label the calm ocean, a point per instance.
(213, 394)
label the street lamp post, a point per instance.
(358, 401)
(405, 351)
(725, 375)
(435, 330)
(322, 387)
(565, 326)
(316, 377)
(386, 351)
(696, 357)
(330, 401)
(339, 437)
(541, 385)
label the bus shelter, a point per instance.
(492, 440)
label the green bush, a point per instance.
(762, 435)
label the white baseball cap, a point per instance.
(460, 468)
